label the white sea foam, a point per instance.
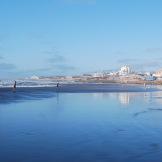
(28, 83)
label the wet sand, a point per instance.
(80, 127)
(30, 93)
(87, 87)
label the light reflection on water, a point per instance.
(126, 98)
(119, 127)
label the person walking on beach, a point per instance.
(57, 85)
(14, 86)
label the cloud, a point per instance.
(57, 59)
(149, 65)
(36, 70)
(60, 63)
(57, 62)
(64, 67)
(153, 50)
(127, 61)
(54, 56)
(49, 71)
(138, 64)
(7, 66)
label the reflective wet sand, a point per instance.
(49, 126)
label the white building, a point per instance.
(34, 77)
(158, 74)
(98, 75)
(149, 76)
(125, 70)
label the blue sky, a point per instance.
(56, 37)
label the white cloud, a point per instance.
(7, 66)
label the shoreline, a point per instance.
(86, 88)
(7, 95)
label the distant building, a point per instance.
(87, 75)
(149, 77)
(34, 77)
(69, 78)
(114, 73)
(98, 75)
(125, 70)
(148, 74)
(158, 74)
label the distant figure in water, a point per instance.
(57, 85)
(14, 87)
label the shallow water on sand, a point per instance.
(82, 127)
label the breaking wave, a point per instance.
(27, 83)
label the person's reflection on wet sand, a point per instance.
(57, 98)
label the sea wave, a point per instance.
(27, 83)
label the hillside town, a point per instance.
(125, 75)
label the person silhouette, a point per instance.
(14, 86)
